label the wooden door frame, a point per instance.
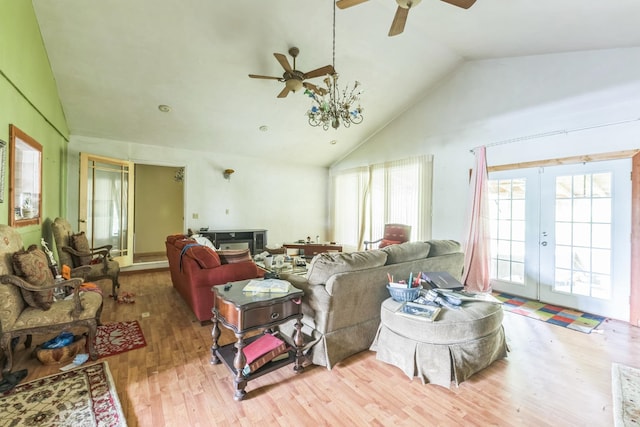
(634, 155)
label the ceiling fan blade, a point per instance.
(397, 26)
(465, 4)
(322, 71)
(343, 4)
(319, 90)
(283, 61)
(284, 92)
(256, 76)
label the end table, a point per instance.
(242, 312)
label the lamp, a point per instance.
(227, 174)
(332, 106)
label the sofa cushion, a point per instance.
(234, 256)
(32, 265)
(80, 243)
(408, 251)
(443, 247)
(325, 265)
(203, 255)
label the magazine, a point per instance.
(428, 313)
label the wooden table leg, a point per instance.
(215, 334)
(298, 341)
(239, 362)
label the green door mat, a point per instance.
(561, 316)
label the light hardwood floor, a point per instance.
(552, 377)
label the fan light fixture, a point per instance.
(335, 106)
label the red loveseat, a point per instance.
(196, 268)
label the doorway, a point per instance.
(560, 235)
(158, 210)
(115, 194)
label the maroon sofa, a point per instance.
(196, 268)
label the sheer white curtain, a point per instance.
(348, 205)
(391, 192)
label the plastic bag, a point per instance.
(62, 340)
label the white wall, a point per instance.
(498, 102)
(286, 199)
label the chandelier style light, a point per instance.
(332, 106)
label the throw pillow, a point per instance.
(443, 247)
(80, 243)
(204, 256)
(234, 256)
(32, 265)
(325, 265)
(408, 251)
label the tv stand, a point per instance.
(256, 239)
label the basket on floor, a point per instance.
(52, 356)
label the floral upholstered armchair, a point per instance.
(74, 251)
(27, 305)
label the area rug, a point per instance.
(566, 317)
(81, 397)
(625, 384)
(118, 337)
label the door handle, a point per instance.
(82, 220)
(544, 243)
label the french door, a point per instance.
(561, 235)
(106, 204)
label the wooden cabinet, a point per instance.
(309, 250)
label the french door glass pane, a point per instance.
(107, 206)
(583, 234)
(507, 229)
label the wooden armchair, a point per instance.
(393, 234)
(74, 251)
(26, 298)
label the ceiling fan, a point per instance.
(400, 19)
(293, 79)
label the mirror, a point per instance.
(25, 179)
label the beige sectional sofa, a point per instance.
(343, 293)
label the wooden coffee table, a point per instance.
(243, 312)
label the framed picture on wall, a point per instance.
(3, 150)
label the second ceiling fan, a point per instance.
(400, 19)
(293, 79)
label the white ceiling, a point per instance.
(115, 61)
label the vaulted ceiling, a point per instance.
(116, 61)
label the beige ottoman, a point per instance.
(452, 348)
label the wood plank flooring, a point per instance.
(552, 377)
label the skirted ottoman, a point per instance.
(455, 346)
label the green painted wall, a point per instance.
(29, 99)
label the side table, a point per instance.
(243, 312)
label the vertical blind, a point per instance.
(365, 199)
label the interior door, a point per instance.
(561, 235)
(106, 204)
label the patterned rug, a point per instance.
(625, 384)
(81, 397)
(569, 318)
(116, 338)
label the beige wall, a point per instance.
(159, 207)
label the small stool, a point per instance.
(455, 346)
